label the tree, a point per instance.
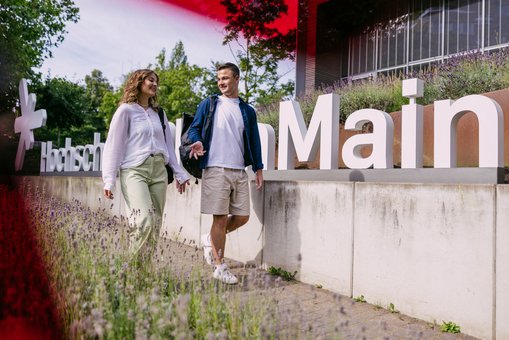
(181, 85)
(96, 87)
(262, 46)
(66, 104)
(28, 31)
(109, 105)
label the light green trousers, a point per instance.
(144, 190)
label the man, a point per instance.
(226, 145)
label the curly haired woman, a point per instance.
(136, 145)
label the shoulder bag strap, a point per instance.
(160, 112)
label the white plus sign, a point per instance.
(27, 122)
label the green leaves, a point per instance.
(28, 31)
(449, 327)
(285, 275)
(262, 47)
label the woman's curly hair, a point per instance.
(133, 87)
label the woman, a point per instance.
(136, 145)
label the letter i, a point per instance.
(412, 125)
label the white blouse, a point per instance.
(134, 134)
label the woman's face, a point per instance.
(149, 86)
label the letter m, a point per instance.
(296, 140)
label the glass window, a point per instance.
(504, 22)
(404, 37)
(493, 23)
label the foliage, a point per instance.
(66, 104)
(449, 327)
(28, 31)
(109, 104)
(392, 308)
(470, 73)
(181, 86)
(359, 298)
(285, 275)
(97, 86)
(262, 47)
(473, 73)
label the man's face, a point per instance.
(228, 84)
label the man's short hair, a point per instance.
(229, 66)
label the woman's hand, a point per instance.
(181, 187)
(108, 194)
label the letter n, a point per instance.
(491, 130)
(295, 139)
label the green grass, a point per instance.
(285, 275)
(360, 298)
(449, 327)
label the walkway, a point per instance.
(312, 312)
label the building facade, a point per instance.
(357, 39)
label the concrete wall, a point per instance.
(501, 297)
(428, 249)
(437, 252)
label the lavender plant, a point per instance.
(464, 74)
(100, 293)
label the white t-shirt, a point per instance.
(227, 144)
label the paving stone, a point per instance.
(309, 312)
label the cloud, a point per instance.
(117, 36)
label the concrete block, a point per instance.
(308, 229)
(181, 218)
(246, 243)
(428, 249)
(502, 263)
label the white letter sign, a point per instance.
(294, 138)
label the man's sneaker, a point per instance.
(222, 272)
(207, 249)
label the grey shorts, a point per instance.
(225, 191)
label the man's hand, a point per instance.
(181, 187)
(196, 150)
(108, 194)
(259, 179)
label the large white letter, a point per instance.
(268, 145)
(305, 143)
(381, 139)
(491, 130)
(411, 125)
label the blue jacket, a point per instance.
(252, 147)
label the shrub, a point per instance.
(464, 74)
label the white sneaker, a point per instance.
(222, 272)
(207, 249)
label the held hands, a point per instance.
(181, 187)
(196, 150)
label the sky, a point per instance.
(118, 36)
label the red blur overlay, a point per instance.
(213, 10)
(27, 310)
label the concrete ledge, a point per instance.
(73, 173)
(424, 175)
